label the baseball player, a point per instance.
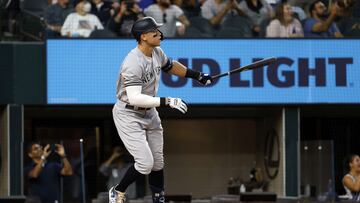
(134, 113)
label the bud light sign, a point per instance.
(307, 71)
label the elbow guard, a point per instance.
(168, 66)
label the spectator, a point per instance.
(114, 168)
(124, 17)
(351, 180)
(75, 2)
(218, 11)
(257, 11)
(164, 12)
(55, 16)
(298, 11)
(191, 8)
(44, 177)
(321, 24)
(145, 3)
(102, 9)
(303, 4)
(81, 23)
(284, 24)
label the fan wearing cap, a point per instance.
(135, 116)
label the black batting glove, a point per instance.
(202, 78)
(205, 79)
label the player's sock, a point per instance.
(130, 176)
(156, 179)
(156, 182)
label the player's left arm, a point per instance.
(176, 68)
(182, 71)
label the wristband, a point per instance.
(162, 101)
(192, 74)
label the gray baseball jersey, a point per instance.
(140, 70)
(141, 130)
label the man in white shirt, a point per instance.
(217, 11)
(167, 13)
(81, 23)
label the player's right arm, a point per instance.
(176, 68)
(136, 98)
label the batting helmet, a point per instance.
(145, 25)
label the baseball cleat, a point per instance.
(116, 196)
(159, 197)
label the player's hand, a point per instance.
(177, 103)
(205, 79)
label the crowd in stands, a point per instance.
(204, 18)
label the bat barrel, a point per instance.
(256, 64)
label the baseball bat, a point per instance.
(254, 65)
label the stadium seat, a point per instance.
(203, 25)
(240, 23)
(102, 34)
(32, 26)
(36, 7)
(263, 26)
(32, 23)
(193, 32)
(350, 27)
(229, 32)
(356, 9)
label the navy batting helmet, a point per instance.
(145, 25)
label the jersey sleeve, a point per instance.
(131, 72)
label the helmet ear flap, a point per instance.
(137, 37)
(161, 35)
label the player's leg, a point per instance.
(128, 125)
(156, 143)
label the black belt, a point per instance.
(128, 106)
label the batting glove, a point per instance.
(205, 79)
(176, 103)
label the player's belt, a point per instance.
(128, 106)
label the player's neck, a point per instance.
(147, 50)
